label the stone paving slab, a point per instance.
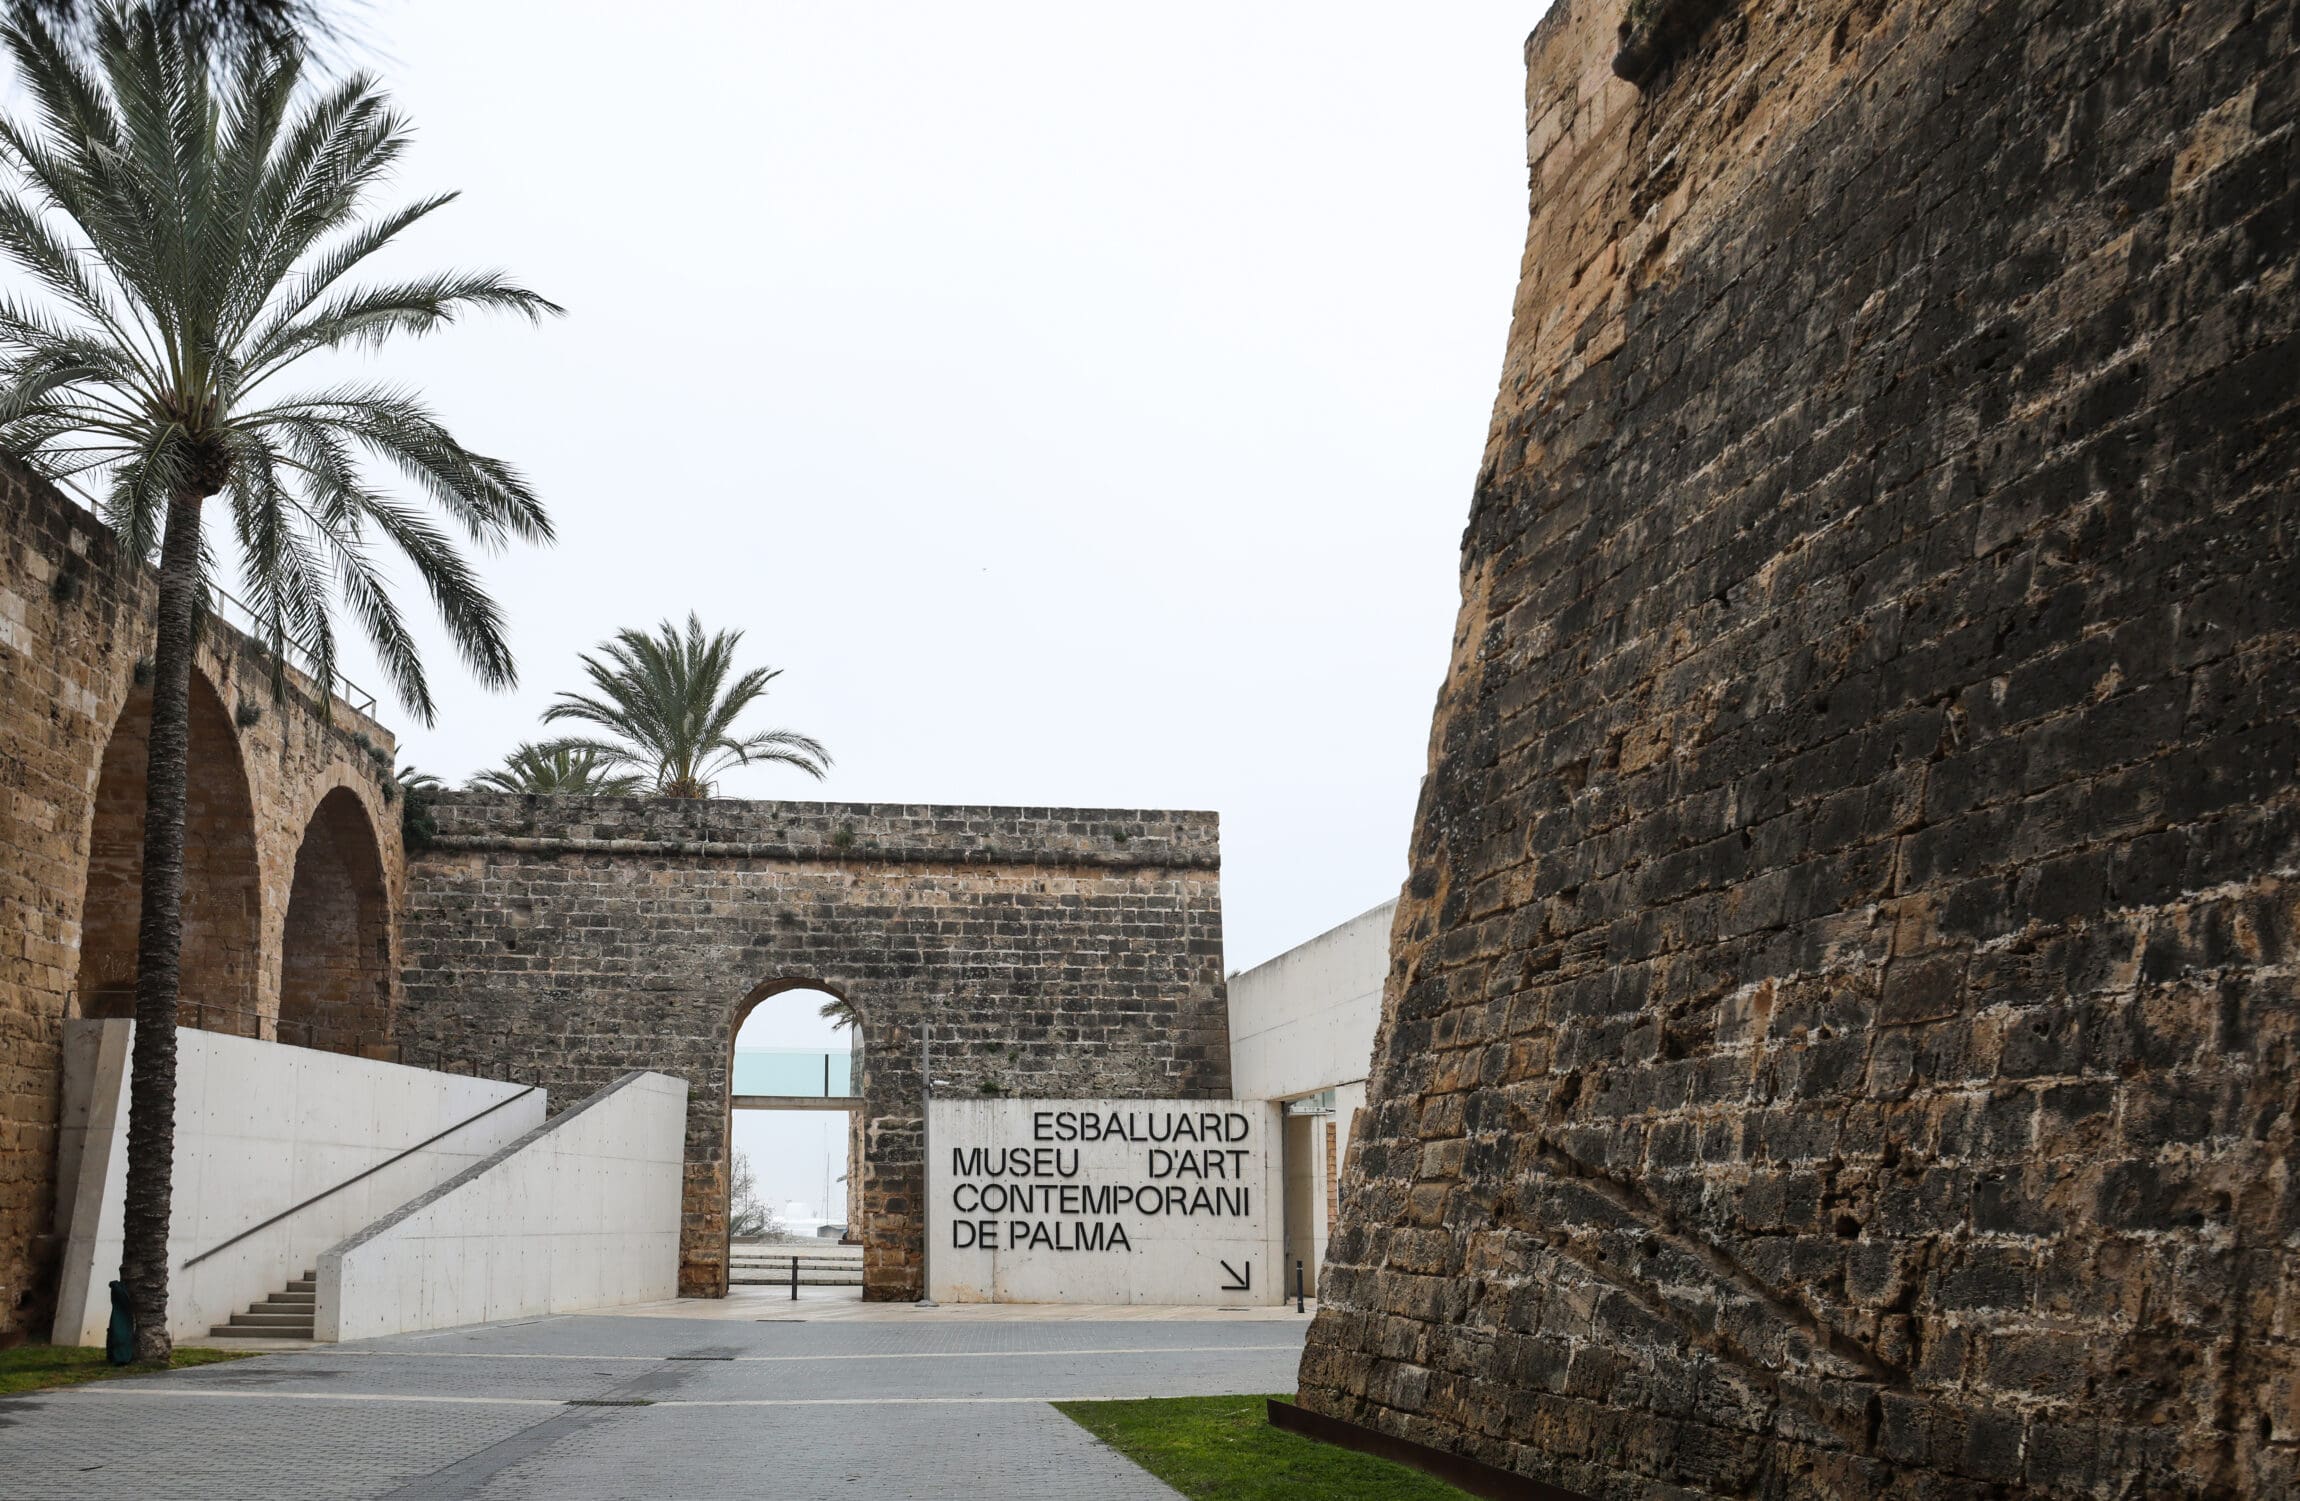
(585, 1406)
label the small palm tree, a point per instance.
(668, 700)
(193, 235)
(556, 769)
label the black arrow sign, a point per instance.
(1240, 1282)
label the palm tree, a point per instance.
(193, 228)
(556, 768)
(667, 698)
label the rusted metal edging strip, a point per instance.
(1475, 1476)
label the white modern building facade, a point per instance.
(1302, 1034)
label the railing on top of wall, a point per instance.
(251, 626)
(244, 618)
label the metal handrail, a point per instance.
(333, 682)
(356, 1177)
(359, 698)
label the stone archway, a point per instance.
(1021, 951)
(335, 955)
(810, 989)
(222, 887)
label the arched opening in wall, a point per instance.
(794, 1134)
(335, 964)
(222, 891)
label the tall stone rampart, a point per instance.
(1022, 951)
(76, 627)
(1840, 1035)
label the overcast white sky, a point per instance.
(1079, 402)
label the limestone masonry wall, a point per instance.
(1840, 1035)
(1024, 951)
(75, 620)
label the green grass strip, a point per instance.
(1224, 1449)
(32, 1368)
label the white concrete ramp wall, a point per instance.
(260, 1129)
(582, 1212)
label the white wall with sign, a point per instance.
(1103, 1201)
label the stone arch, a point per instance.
(857, 1168)
(335, 951)
(223, 889)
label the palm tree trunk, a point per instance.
(160, 940)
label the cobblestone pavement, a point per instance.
(583, 1407)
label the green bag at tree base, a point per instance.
(120, 1338)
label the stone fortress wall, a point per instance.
(1014, 951)
(286, 935)
(1840, 1033)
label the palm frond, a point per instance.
(558, 768)
(187, 214)
(664, 700)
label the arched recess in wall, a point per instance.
(803, 1072)
(223, 894)
(335, 956)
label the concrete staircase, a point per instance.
(283, 1315)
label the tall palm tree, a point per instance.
(556, 769)
(192, 228)
(667, 699)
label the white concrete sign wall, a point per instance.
(260, 1129)
(582, 1212)
(1103, 1201)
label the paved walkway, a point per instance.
(779, 1402)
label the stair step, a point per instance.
(289, 1314)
